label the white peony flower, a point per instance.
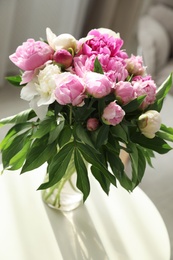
(63, 41)
(149, 123)
(40, 91)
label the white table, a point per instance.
(122, 226)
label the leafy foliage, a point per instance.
(14, 80)
(31, 142)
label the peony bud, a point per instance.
(63, 41)
(63, 57)
(135, 65)
(145, 86)
(149, 123)
(113, 114)
(92, 124)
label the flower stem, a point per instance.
(70, 116)
(56, 190)
(60, 187)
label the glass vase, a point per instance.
(64, 195)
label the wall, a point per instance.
(6, 20)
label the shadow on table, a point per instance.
(76, 235)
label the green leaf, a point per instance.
(82, 134)
(102, 136)
(97, 161)
(58, 166)
(13, 132)
(18, 160)
(163, 90)
(138, 163)
(54, 134)
(166, 133)
(98, 67)
(119, 132)
(113, 149)
(134, 159)
(134, 163)
(104, 182)
(161, 94)
(39, 153)
(118, 170)
(13, 148)
(14, 80)
(65, 135)
(149, 154)
(141, 165)
(166, 129)
(156, 144)
(22, 117)
(165, 136)
(101, 106)
(57, 108)
(82, 113)
(44, 127)
(113, 144)
(134, 104)
(82, 174)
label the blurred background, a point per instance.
(146, 27)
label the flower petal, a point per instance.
(29, 91)
(41, 111)
(46, 100)
(50, 37)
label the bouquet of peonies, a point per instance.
(88, 101)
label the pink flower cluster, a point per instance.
(77, 79)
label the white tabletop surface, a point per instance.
(122, 226)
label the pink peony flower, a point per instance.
(69, 89)
(124, 92)
(102, 43)
(82, 64)
(97, 85)
(113, 114)
(63, 57)
(114, 67)
(146, 87)
(92, 124)
(135, 65)
(139, 77)
(31, 55)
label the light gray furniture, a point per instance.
(155, 39)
